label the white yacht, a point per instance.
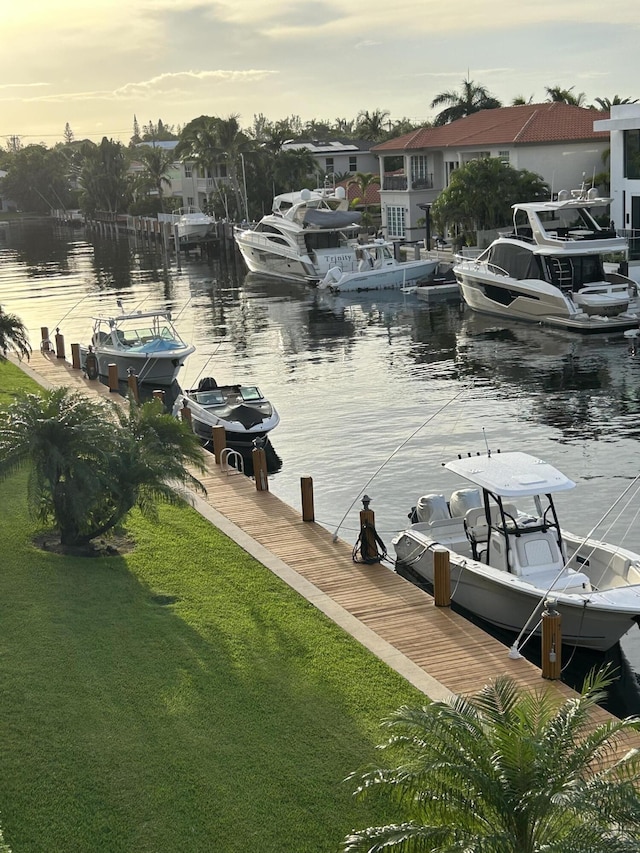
(550, 268)
(307, 233)
(378, 270)
(508, 553)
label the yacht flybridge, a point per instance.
(550, 268)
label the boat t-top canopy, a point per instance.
(138, 315)
(511, 475)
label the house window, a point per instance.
(395, 222)
(450, 166)
(632, 153)
(353, 164)
(188, 170)
(222, 170)
(504, 157)
(418, 167)
(189, 201)
(328, 165)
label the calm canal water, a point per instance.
(374, 391)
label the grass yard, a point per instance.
(176, 698)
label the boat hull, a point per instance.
(252, 424)
(261, 260)
(150, 369)
(499, 599)
(387, 278)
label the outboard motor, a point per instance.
(430, 508)
(207, 383)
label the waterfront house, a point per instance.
(557, 141)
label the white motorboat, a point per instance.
(508, 553)
(306, 234)
(550, 269)
(145, 343)
(192, 225)
(378, 270)
(242, 410)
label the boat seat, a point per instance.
(477, 530)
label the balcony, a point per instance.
(400, 182)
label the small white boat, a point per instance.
(550, 268)
(192, 225)
(508, 553)
(145, 343)
(242, 410)
(377, 269)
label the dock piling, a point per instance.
(59, 345)
(259, 458)
(76, 361)
(551, 641)
(306, 489)
(219, 438)
(113, 377)
(441, 576)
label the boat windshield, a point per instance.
(250, 393)
(135, 337)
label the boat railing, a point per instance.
(476, 263)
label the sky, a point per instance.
(96, 64)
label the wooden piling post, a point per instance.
(113, 377)
(306, 489)
(132, 382)
(219, 438)
(59, 344)
(185, 412)
(45, 346)
(259, 458)
(551, 641)
(441, 576)
(368, 548)
(76, 361)
(158, 394)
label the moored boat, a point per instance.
(378, 270)
(508, 553)
(550, 268)
(145, 343)
(306, 234)
(242, 410)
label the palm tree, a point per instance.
(199, 144)
(605, 104)
(555, 94)
(520, 100)
(507, 771)
(90, 463)
(13, 336)
(372, 125)
(157, 165)
(364, 180)
(471, 99)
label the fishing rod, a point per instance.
(388, 459)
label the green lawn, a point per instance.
(176, 698)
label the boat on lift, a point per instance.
(508, 553)
(550, 268)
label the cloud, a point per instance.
(168, 84)
(22, 85)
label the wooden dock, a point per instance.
(436, 649)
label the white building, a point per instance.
(624, 128)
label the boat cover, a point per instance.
(156, 345)
(331, 218)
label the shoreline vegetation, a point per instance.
(175, 697)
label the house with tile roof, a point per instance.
(623, 126)
(557, 141)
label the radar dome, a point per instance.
(564, 195)
(340, 193)
(593, 193)
(305, 194)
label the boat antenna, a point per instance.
(486, 443)
(71, 310)
(390, 457)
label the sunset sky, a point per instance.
(97, 63)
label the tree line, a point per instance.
(247, 166)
